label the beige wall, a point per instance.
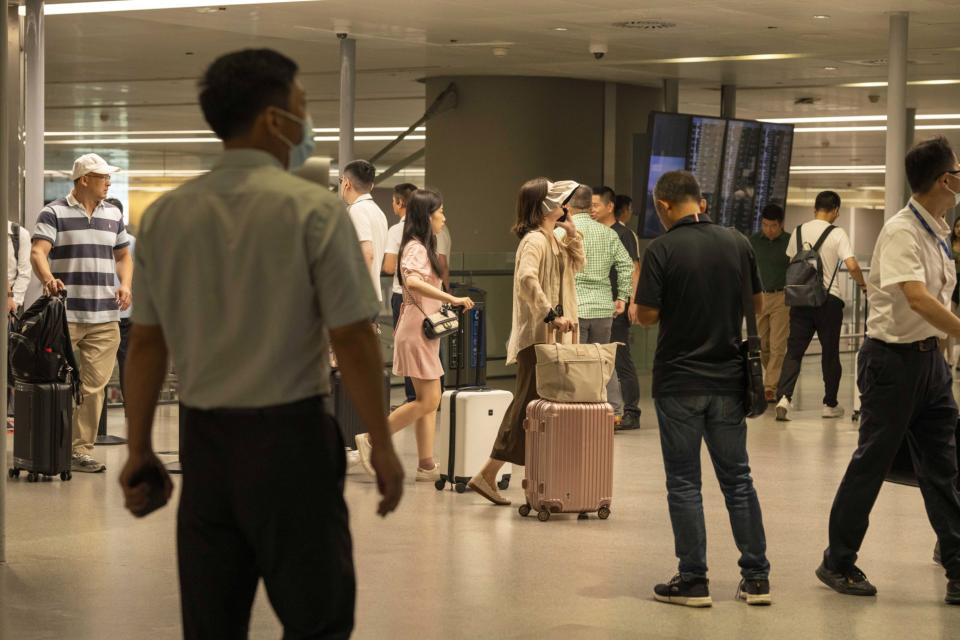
(506, 130)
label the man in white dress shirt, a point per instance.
(356, 183)
(905, 384)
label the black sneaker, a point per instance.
(754, 592)
(629, 422)
(953, 592)
(850, 581)
(695, 593)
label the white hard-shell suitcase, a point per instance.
(469, 422)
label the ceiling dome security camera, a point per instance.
(599, 50)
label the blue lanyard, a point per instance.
(943, 245)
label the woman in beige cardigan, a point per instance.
(544, 307)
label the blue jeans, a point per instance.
(684, 422)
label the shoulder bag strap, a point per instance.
(799, 232)
(823, 238)
(816, 248)
(753, 337)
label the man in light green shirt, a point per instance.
(596, 307)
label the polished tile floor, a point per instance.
(453, 566)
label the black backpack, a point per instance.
(804, 286)
(40, 348)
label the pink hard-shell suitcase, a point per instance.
(569, 459)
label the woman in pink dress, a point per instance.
(414, 355)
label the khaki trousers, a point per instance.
(95, 346)
(774, 327)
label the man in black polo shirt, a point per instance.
(770, 246)
(692, 284)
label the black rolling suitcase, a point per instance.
(467, 347)
(43, 440)
(346, 414)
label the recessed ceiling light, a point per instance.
(821, 16)
(111, 6)
(831, 68)
(858, 85)
(756, 57)
(560, 29)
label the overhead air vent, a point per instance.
(646, 25)
(807, 100)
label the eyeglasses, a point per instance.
(100, 176)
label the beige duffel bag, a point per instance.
(574, 372)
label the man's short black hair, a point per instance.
(773, 212)
(403, 191)
(114, 202)
(677, 186)
(606, 194)
(927, 161)
(621, 203)
(827, 201)
(238, 86)
(361, 173)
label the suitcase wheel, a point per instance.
(13, 472)
(603, 513)
(440, 484)
(66, 476)
(583, 516)
(460, 487)
(33, 477)
(524, 510)
(543, 516)
(504, 483)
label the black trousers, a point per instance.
(263, 498)
(826, 322)
(626, 370)
(125, 325)
(904, 393)
(395, 301)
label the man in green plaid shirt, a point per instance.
(596, 307)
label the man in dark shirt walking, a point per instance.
(626, 391)
(692, 283)
(770, 247)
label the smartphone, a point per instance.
(562, 218)
(156, 489)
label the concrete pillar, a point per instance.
(4, 187)
(13, 122)
(895, 182)
(609, 133)
(911, 132)
(348, 99)
(34, 125)
(671, 95)
(728, 101)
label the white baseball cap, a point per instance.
(91, 163)
(558, 193)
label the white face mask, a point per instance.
(301, 151)
(956, 196)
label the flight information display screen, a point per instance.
(741, 165)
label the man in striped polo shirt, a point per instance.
(79, 244)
